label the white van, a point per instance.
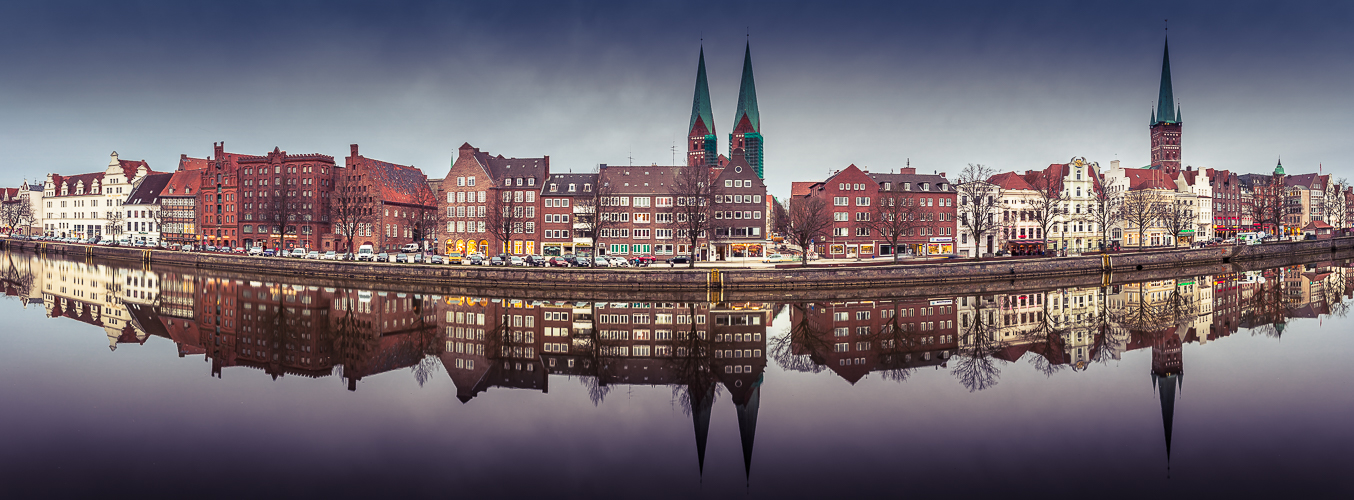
(298, 252)
(365, 252)
(409, 248)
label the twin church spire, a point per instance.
(702, 141)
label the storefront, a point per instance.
(942, 245)
(1025, 247)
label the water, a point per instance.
(166, 381)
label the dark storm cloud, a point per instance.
(1015, 85)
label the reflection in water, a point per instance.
(698, 349)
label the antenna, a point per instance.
(674, 152)
(632, 157)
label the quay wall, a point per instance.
(1104, 268)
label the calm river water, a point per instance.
(177, 382)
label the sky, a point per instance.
(1013, 85)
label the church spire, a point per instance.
(747, 121)
(747, 425)
(747, 96)
(1165, 97)
(700, 103)
(701, 141)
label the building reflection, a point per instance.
(704, 352)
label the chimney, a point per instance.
(942, 174)
(353, 147)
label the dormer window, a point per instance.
(531, 181)
(888, 186)
(587, 188)
(907, 186)
(941, 186)
(554, 188)
(925, 186)
(573, 187)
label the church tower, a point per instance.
(1165, 125)
(747, 123)
(701, 142)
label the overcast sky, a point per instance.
(1015, 85)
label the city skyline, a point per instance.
(1015, 88)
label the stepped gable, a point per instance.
(129, 167)
(149, 190)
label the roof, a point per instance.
(189, 163)
(798, 189)
(1166, 112)
(182, 183)
(1010, 181)
(398, 183)
(1148, 178)
(916, 179)
(700, 103)
(639, 180)
(1302, 180)
(148, 191)
(747, 96)
(562, 182)
(75, 180)
(500, 168)
(1316, 224)
(129, 167)
(7, 194)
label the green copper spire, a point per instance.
(747, 95)
(1165, 98)
(1278, 169)
(700, 104)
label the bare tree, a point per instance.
(979, 203)
(427, 220)
(780, 219)
(14, 214)
(597, 212)
(974, 364)
(1267, 204)
(351, 210)
(1142, 209)
(506, 217)
(283, 212)
(1176, 217)
(895, 215)
(1334, 204)
(1049, 203)
(809, 221)
(1103, 212)
(116, 225)
(693, 208)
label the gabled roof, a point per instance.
(398, 183)
(189, 163)
(183, 183)
(129, 167)
(148, 191)
(1317, 224)
(798, 189)
(1148, 178)
(7, 194)
(500, 168)
(1010, 181)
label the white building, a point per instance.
(86, 205)
(141, 220)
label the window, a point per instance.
(862, 201)
(840, 201)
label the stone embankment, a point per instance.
(987, 274)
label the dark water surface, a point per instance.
(170, 382)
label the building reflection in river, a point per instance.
(698, 349)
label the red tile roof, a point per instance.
(75, 180)
(1010, 181)
(183, 183)
(398, 183)
(1147, 178)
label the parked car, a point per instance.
(409, 248)
(364, 252)
(600, 261)
(382, 257)
(313, 255)
(535, 260)
(256, 250)
(416, 258)
(298, 253)
(401, 258)
(644, 260)
(497, 261)
(516, 261)
(679, 260)
(454, 258)
(330, 255)
(266, 253)
(437, 259)
(476, 260)
(557, 262)
(581, 261)
(619, 262)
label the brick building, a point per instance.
(852, 193)
(275, 200)
(477, 183)
(563, 229)
(1228, 217)
(741, 222)
(178, 202)
(401, 198)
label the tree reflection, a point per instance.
(975, 366)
